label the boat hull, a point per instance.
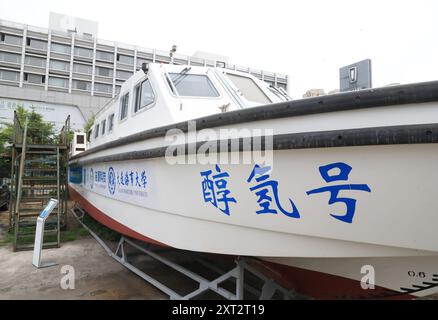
(383, 234)
(350, 278)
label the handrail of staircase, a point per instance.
(18, 130)
(20, 181)
(63, 135)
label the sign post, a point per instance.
(39, 235)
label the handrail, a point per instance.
(20, 179)
(18, 130)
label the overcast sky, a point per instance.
(308, 40)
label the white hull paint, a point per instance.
(385, 227)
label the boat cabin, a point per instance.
(162, 94)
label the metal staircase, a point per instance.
(39, 172)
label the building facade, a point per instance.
(314, 93)
(78, 70)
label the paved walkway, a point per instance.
(97, 276)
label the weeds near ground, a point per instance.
(98, 228)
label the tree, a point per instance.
(38, 132)
(89, 123)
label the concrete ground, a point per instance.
(97, 275)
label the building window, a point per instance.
(59, 65)
(36, 44)
(104, 72)
(353, 74)
(123, 74)
(82, 68)
(193, 85)
(58, 82)
(9, 75)
(103, 126)
(83, 52)
(140, 61)
(144, 95)
(60, 48)
(105, 56)
(125, 59)
(35, 61)
(101, 87)
(80, 139)
(81, 85)
(96, 131)
(8, 39)
(10, 57)
(124, 102)
(111, 122)
(34, 78)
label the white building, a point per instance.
(68, 67)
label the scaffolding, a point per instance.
(242, 266)
(38, 173)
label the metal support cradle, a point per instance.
(268, 290)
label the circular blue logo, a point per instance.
(91, 178)
(111, 180)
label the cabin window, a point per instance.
(96, 131)
(248, 88)
(124, 101)
(103, 126)
(110, 122)
(144, 95)
(193, 85)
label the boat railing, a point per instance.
(108, 103)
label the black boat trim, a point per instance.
(406, 134)
(370, 98)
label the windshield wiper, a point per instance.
(280, 92)
(179, 76)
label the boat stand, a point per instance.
(268, 290)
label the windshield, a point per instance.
(193, 85)
(249, 89)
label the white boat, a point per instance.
(341, 203)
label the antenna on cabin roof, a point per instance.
(171, 53)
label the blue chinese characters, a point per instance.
(344, 170)
(215, 190)
(130, 178)
(266, 190)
